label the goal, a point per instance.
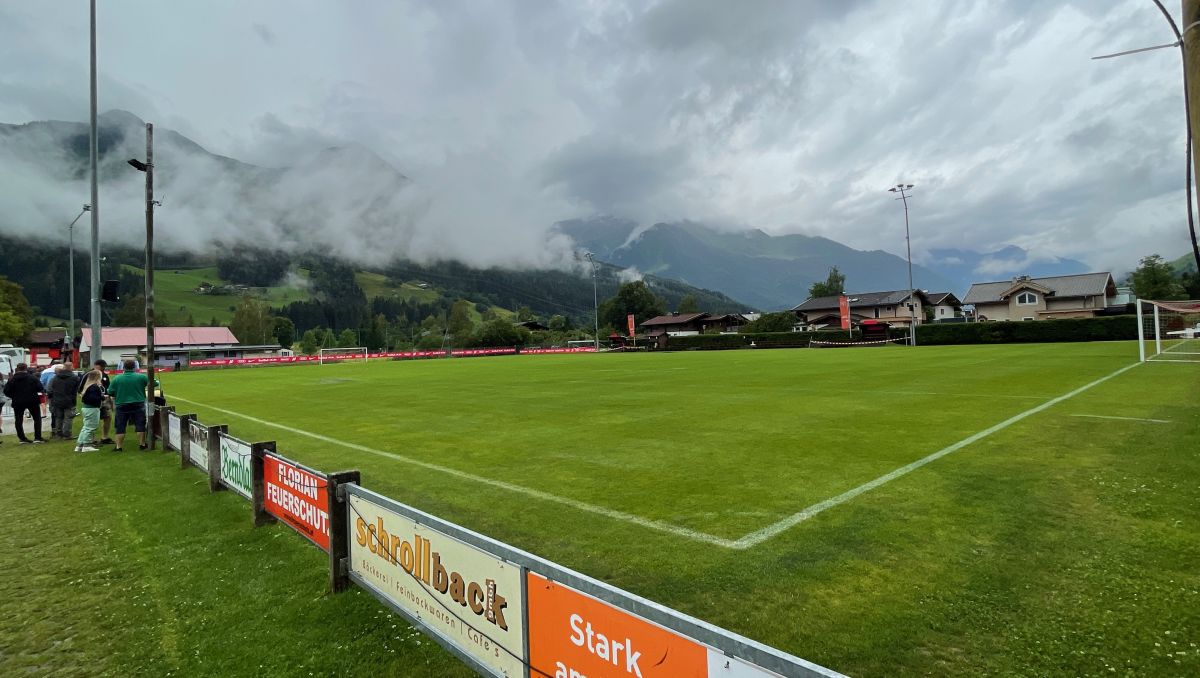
(1168, 330)
(333, 355)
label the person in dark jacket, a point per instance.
(64, 386)
(24, 390)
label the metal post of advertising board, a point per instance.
(339, 530)
(258, 496)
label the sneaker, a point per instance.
(86, 448)
(107, 441)
(38, 441)
(25, 442)
(143, 447)
(117, 449)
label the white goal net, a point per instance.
(334, 355)
(1168, 330)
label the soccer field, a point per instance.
(981, 510)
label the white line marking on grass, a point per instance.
(519, 489)
(1104, 416)
(759, 536)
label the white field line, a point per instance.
(759, 536)
(1105, 416)
(518, 489)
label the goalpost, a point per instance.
(332, 355)
(1168, 330)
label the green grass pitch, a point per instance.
(1060, 542)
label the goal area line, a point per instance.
(748, 540)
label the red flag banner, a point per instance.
(631, 325)
(844, 309)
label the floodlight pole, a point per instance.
(95, 346)
(912, 306)
(148, 168)
(71, 322)
(595, 299)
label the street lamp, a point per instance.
(71, 322)
(595, 298)
(903, 189)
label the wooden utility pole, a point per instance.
(1191, 84)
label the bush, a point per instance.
(1111, 328)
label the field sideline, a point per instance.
(1026, 534)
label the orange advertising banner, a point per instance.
(574, 634)
(298, 497)
(844, 309)
(631, 325)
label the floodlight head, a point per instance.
(138, 164)
(87, 208)
(892, 189)
(909, 186)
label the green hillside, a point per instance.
(174, 292)
(1185, 263)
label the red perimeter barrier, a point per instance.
(394, 355)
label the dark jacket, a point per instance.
(63, 388)
(93, 396)
(23, 389)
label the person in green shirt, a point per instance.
(128, 391)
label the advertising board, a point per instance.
(572, 633)
(198, 444)
(235, 466)
(174, 431)
(298, 497)
(469, 598)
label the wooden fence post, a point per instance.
(257, 450)
(339, 528)
(214, 457)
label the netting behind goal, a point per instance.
(1168, 330)
(330, 355)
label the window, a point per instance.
(1027, 299)
(941, 311)
(876, 311)
(1026, 318)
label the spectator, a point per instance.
(3, 398)
(64, 387)
(44, 375)
(106, 407)
(93, 399)
(128, 391)
(23, 389)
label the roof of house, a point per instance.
(936, 298)
(120, 337)
(46, 337)
(857, 300)
(674, 319)
(1080, 285)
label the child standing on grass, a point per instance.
(93, 398)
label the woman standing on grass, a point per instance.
(93, 398)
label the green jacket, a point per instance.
(128, 387)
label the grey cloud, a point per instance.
(264, 33)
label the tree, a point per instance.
(524, 313)
(632, 298)
(347, 339)
(772, 322)
(460, 325)
(284, 331)
(688, 304)
(310, 342)
(16, 315)
(252, 322)
(501, 332)
(1191, 284)
(559, 323)
(132, 312)
(1155, 279)
(834, 285)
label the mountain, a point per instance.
(1184, 264)
(771, 272)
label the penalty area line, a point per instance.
(759, 536)
(614, 514)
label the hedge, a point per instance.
(1110, 328)
(759, 339)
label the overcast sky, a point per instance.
(789, 116)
